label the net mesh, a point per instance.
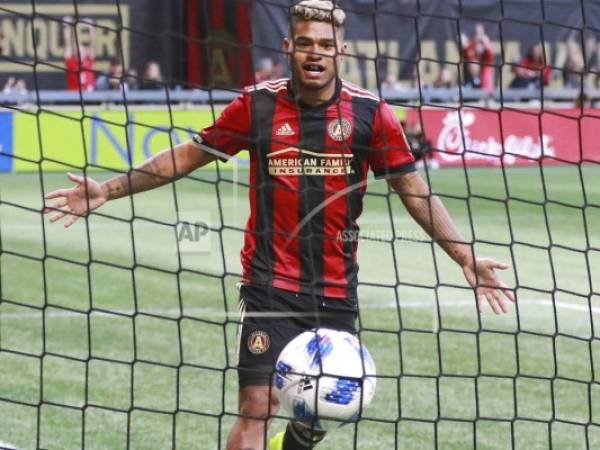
(121, 331)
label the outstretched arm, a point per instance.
(431, 214)
(165, 167)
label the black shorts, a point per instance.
(270, 318)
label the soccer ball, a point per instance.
(325, 374)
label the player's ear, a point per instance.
(344, 48)
(287, 46)
(341, 53)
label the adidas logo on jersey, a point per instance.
(285, 130)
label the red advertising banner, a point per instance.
(481, 137)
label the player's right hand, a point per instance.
(77, 201)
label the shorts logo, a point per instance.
(258, 342)
(339, 129)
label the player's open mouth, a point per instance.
(313, 69)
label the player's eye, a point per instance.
(302, 44)
(327, 46)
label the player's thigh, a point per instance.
(338, 314)
(267, 324)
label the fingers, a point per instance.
(506, 291)
(71, 220)
(63, 192)
(493, 295)
(76, 178)
(493, 264)
(480, 299)
(498, 285)
(509, 295)
(492, 302)
(62, 209)
(490, 286)
(65, 211)
(60, 215)
(58, 205)
(57, 193)
(494, 299)
(499, 300)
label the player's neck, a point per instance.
(312, 97)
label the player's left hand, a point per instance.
(488, 285)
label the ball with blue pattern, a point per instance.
(325, 374)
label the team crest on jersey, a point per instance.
(258, 342)
(339, 129)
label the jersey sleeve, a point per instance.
(231, 131)
(390, 153)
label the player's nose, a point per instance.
(313, 54)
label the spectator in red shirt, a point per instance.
(479, 61)
(79, 60)
(532, 71)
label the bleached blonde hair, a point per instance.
(319, 10)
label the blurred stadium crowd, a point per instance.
(479, 68)
(80, 73)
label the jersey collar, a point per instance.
(334, 99)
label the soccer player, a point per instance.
(312, 140)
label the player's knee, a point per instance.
(258, 402)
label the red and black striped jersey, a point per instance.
(308, 177)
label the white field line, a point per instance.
(139, 223)
(214, 313)
(121, 221)
(7, 446)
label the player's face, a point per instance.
(316, 51)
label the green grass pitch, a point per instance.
(108, 340)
